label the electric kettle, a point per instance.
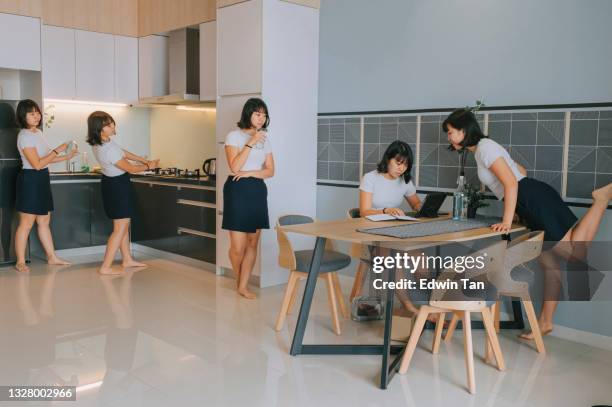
(210, 167)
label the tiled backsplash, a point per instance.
(538, 140)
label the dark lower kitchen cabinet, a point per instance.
(78, 219)
(196, 217)
(160, 212)
(197, 247)
(155, 223)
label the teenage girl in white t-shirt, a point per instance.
(245, 195)
(34, 201)
(537, 203)
(383, 190)
(117, 193)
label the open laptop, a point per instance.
(431, 206)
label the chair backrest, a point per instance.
(353, 213)
(286, 255)
(493, 258)
(294, 220)
(523, 249)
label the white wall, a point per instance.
(409, 54)
(71, 124)
(181, 138)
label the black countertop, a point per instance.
(200, 181)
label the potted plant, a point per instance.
(476, 199)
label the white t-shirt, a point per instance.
(487, 151)
(107, 155)
(386, 193)
(27, 138)
(257, 156)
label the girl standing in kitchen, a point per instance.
(536, 203)
(117, 194)
(34, 201)
(245, 195)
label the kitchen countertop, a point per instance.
(201, 181)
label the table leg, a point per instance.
(388, 370)
(311, 282)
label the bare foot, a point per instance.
(133, 263)
(247, 294)
(109, 271)
(545, 329)
(603, 193)
(22, 268)
(56, 261)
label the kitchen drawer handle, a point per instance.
(220, 212)
(196, 203)
(188, 231)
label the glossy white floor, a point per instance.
(176, 335)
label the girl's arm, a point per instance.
(365, 206)
(266, 172)
(236, 158)
(134, 157)
(521, 169)
(70, 156)
(414, 202)
(127, 166)
(505, 175)
(38, 163)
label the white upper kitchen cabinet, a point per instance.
(95, 66)
(19, 42)
(153, 66)
(58, 62)
(208, 61)
(126, 69)
(239, 30)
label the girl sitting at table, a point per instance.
(383, 190)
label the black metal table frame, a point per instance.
(386, 350)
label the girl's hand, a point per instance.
(241, 174)
(258, 137)
(394, 211)
(153, 164)
(501, 227)
(73, 153)
(61, 148)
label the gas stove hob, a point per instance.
(177, 172)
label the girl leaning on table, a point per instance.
(383, 190)
(34, 200)
(117, 194)
(538, 204)
(245, 195)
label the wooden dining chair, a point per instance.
(445, 301)
(298, 264)
(520, 251)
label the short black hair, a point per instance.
(95, 123)
(23, 108)
(464, 119)
(251, 106)
(398, 150)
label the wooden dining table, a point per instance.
(346, 230)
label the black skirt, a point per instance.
(541, 207)
(245, 205)
(33, 192)
(118, 196)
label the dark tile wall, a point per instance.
(589, 152)
(534, 139)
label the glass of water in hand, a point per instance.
(260, 144)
